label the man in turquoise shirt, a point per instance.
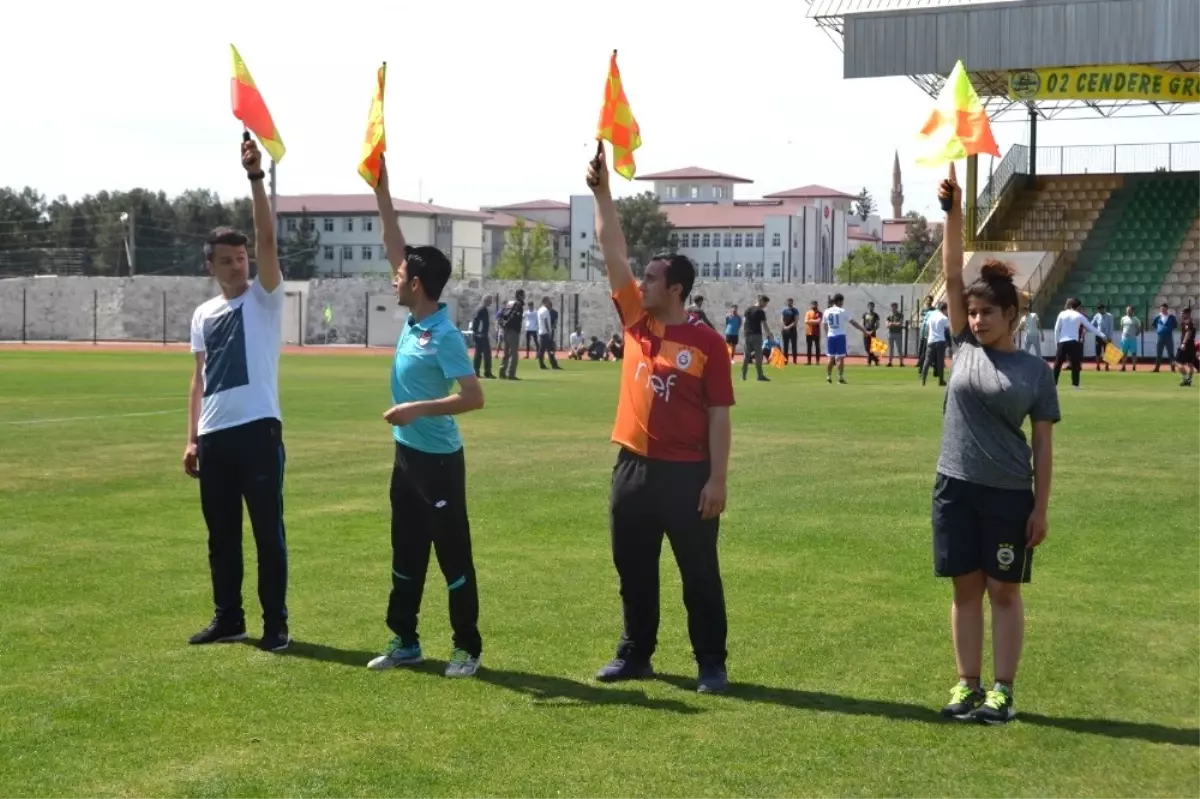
(428, 490)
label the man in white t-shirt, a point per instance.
(545, 329)
(235, 437)
(835, 321)
(531, 331)
(1031, 326)
(937, 327)
(1068, 337)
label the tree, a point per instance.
(647, 229)
(527, 254)
(868, 265)
(919, 242)
(298, 249)
(865, 204)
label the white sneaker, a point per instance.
(397, 655)
(462, 664)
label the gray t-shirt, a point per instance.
(988, 397)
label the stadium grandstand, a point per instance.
(1118, 225)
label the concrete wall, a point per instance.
(60, 309)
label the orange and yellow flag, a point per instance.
(248, 106)
(958, 126)
(777, 358)
(617, 125)
(375, 143)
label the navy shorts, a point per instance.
(835, 346)
(980, 528)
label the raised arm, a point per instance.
(393, 238)
(608, 225)
(952, 253)
(266, 251)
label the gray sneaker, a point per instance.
(397, 654)
(461, 664)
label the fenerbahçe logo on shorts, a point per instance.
(1005, 556)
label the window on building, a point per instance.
(327, 225)
(719, 192)
(726, 269)
(758, 239)
(737, 270)
(308, 225)
(695, 239)
(737, 240)
(758, 270)
(349, 225)
(674, 241)
(706, 270)
(672, 191)
(704, 240)
(291, 224)
(774, 239)
(328, 253)
(694, 192)
(368, 224)
(368, 253)
(776, 270)
(347, 253)
(728, 239)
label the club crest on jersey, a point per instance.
(424, 339)
(683, 360)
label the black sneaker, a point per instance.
(275, 639)
(619, 669)
(220, 631)
(713, 679)
(963, 702)
(997, 708)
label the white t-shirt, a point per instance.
(1129, 327)
(576, 340)
(240, 339)
(531, 323)
(1030, 322)
(1066, 327)
(937, 324)
(836, 320)
(543, 321)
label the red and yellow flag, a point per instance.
(617, 124)
(375, 142)
(248, 106)
(958, 126)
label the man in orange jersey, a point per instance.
(674, 432)
(812, 333)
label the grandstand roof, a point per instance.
(922, 40)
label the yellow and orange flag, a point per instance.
(958, 126)
(879, 347)
(617, 125)
(375, 143)
(777, 358)
(248, 106)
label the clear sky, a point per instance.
(487, 103)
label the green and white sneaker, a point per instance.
(462, 664)
(397, 654)
(997, 708)
(964, 700)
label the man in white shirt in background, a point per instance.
(578, 344)
(1030, 327)
(836, 320)
(1103, 321)
(531, 331)
(1067, 335)
(937, 325)
(235, 429)
(1131, 331)
(545, 329)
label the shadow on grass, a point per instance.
(357, 658)
(563, 692)
(833, 703)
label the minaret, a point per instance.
(897, 190)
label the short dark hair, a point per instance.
(838, 299)
(698, 299)
(223, 235)
(1074, 303)
(764, 299)
(942, 306)
(1101, 307)
(429, 265)
(680, 272)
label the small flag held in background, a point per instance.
(328, 314)
(617, 125)
(879, 346)
(375, 142)
(958, 126)
(777, 358)
(248, 106)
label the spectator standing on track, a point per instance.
(937, 326)
(733, 326)
(870, 326)
(546, 347)
(812, 333)
(1031, 326)
(531, 331)
(1102, 321)
(790, 316)
(235, 427)
(923, 334)
(895, 325)
(1131, 330)
(1164, 325)
(511, 320)
(480, 326)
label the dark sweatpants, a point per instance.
(429, 508)
(1072, 353)
(483, 355)
(649, 498)
(245, 462)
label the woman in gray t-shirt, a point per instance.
(989, 501)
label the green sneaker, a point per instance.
(964, 700)
(462, 664)
(997, 707)
(397, 654)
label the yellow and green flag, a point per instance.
(958, 126)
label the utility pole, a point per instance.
(127, 219)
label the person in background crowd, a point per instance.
(895, 326)
(812, 333)
(756, 329)
(696, 311)
(937, 327)
(546, 347)
(1164, 325)
(791, 334)
(616, 347)
(578, 345)
(531, 331)
(1186, 357)
(923, 334)
(733, 326)
(480, 325)
(1030, 327)
(596, 351)
(1131, 330)
(1104, 322)
(511, 318)
(1068, 336)
(870, 324)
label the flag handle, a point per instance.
(245, 135)
(946, 204)
(596, 162)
